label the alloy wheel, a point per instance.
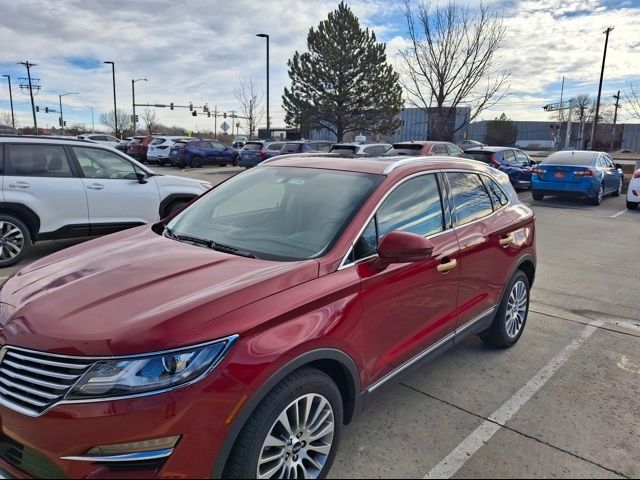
(11, 240)
(300, 440)
(516, 309)
(601, 193)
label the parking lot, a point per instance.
(565, 401)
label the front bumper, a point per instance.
(633, 193)
(35, 446)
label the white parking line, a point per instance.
(619, 213)
(481, 435)
(526, 198)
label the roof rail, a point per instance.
(46, 137)
(405, 161)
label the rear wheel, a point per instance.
(597, 200)
(196, 162)
(511, 318)
(15, 240)
(537, 196)
(293, 433)
(632, 205)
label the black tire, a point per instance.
(9, 240)
(632, 205)
(597, 200)
(244, 457)
(196, 162)
(173, 206)
(537, 196)
(497, 334)
(160, 163)
(618, 191)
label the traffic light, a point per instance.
(191, 107)
(195, 114)
(137, 119)
(224, 114)
(65, 123)
(37, 108)
(60, 121)
(208, 114)
(171, 105)
(46, 109)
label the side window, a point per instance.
(38, 161)
(275, 147)
(97, 163)
(609, 161)
(440, 149)
(602, 162)
(367, 244)
(498, 196)
(521, 158)
(453, 150)
(471, 200)
(415, 206)
(509, 157)
(217, 146)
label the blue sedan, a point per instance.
(576, 173)
(511, 161)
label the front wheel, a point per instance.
(15, 240)
(511, 318)
(618, 191)
(537, 196)
(632, 205)
(293, 433)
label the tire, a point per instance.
(537, 196)
(298, 388)
(15, 240)
(597, 200)
(196, 162)
(632, 205)
(160, 163)
(173, 206)
(618, 192)
(504, 333)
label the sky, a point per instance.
(199, 50)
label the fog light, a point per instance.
(135, 447)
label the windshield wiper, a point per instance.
(232, 250)
(208, 243)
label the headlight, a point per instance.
(154, 373)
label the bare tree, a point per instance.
(250, 100)
(124, 120)
(5, 118)
(150, 120)
(633, 100)
(452, 61)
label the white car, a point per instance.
(100, 138)
(633, 194)
(361, 149)
(57, 188)
(160, 147)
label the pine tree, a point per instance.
(343, 83)
(501, 131)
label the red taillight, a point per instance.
(539, 171)
(637, 174)
(584, 173)
(262, 153)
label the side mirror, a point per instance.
(619, 166)
(142, 178)
(402, 247)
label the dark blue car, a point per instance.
(577, 173)
(257, 151)
(204, 152)
(511, 161)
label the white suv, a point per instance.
(56, 188)
(160, 147)
(101, 138)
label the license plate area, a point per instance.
(560, 174)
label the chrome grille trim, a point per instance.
(39, 371)
(43, 361)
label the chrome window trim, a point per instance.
(405, 161)
(123, 457)
(230, 341)
(432, 348)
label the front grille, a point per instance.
(31, 382)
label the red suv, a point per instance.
(424, 148)
(138, 147)
(237, 337)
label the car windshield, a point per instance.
(568, 159)
(407, 149)
(346, 149)
(278, 213)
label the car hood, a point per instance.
(134, 292)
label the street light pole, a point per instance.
(61, 115)
(13, 118)
(115, 110)
(594, 125)
(264, 35)
(133, 96)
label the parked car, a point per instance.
(138, 147)
(361, 150)
(236, 338)
(577, 173)
(7, 130)
(467, 144)
(633, 193)
(257, 151)
(159, 148)
(176, 150)
(424, 148)
(238, 145)
(511, 161)
(54, 188)
(122, 144)
(305, 146)
(100, 138)
(198, 153)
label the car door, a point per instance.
(407, 307)
(41, 177)
(220, 153)
(115, 196)
(485, 231)
(612, 175)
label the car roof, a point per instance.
(489, 149)
(42, 139)
(421, 142)
(583, 155)
(373, 165)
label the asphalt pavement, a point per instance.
(563, 402)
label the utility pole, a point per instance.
(13, 117)
(594, 125)
(615, 119)
(33, 105)
(580, 140)
(215, 123)
(133, 97)
(115, 108)
(560, 116)
(250, 119)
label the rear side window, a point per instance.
(157, 141)
(415, 207)
(471, 200)
(275, 146)
(453, 150)
(38, 161)
(375, 150)
(291, 148)
(496, 193)
(253, 146)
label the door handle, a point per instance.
(20, 185)
(445, 267)
(506, 240)
(95, 186)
